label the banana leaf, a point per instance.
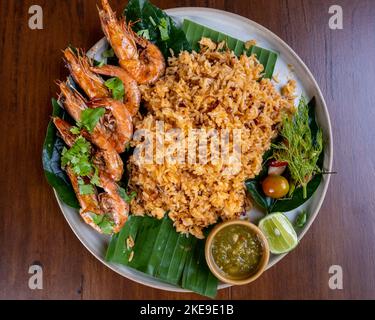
(162, 253)
(51, 159)
(197, 277)
(194, 32)
(156, 25)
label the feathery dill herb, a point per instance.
(299, 148)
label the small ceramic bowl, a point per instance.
(219, 273)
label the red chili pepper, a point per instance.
(275, 163)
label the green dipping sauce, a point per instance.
(237, 251)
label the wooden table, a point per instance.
(33, 230)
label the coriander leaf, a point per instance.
(106, 226)
(82, 167)
(78, 157)
(64, 157)
(163, 28)
(75, 130)
(145, 33)
(103, 222)
(95, 178)
(97, 218)
(116, 86)
(123, 194)
(108, 53)
(86, 189)
(301, 219)
(90, 118)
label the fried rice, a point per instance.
(212, 89)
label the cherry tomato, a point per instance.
(275, 186)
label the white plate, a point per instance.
(244, 29)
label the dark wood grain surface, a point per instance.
(33, 230)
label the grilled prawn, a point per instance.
(132, 94)
(138, 56)
(107, 161)
(113, 130)
(117, 120)
(79, 65)
(109, 202)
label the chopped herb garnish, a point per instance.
(299, 148)
(78, 157)
(95, 177)
(152, 21)
(163, 28)
(116, 86)
(90, 118)
(145, 33)
(85, 189)
(103, 222)
(75, 130)
(124, 195)
(301, 219)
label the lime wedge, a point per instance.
(279, 232)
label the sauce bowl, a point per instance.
(215, 268)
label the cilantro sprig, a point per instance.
(163, 28)
(103, 222)
(85, 189)
(78, 157)
(116, 86)
(89, 120)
